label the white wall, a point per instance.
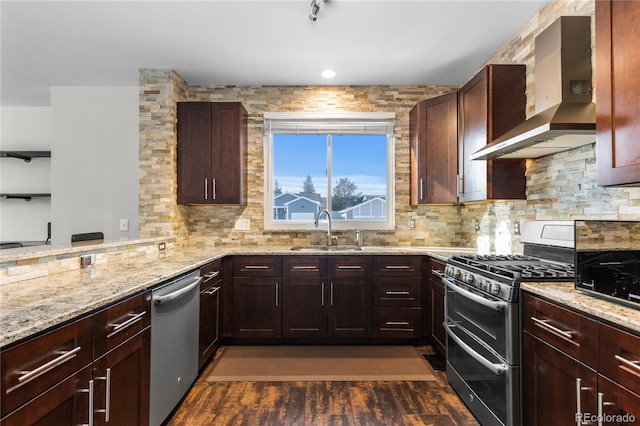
(94, 175)
(25, 129)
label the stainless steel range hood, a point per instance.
(565, 116)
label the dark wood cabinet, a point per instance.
(433, 134)
(257, 307)
(574, 365)
(92, 371)
(212, 139)
(490, 104)
(397, 299)
(433, 305)
(210, 311)
(618, 106)
(304, 296)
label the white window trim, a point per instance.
(273, 225)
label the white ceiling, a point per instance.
(264, 42)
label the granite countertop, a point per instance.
(30, 306)
(566, 294)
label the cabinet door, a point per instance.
(617, 107)
(618, 402)
(210, 311)
(305, 303)
(490, 104)
(67, 403)
(550, 385)
(438, 333)
(229, 134)
(194, 153)
(350, 307)
(433, 132)
(122, 383)
(256, 307)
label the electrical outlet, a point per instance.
(242, 225)
(412, 223)
(124, 224)
(516, 228)
(477, 225)
(162, 246)
(87, 260)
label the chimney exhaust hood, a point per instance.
(565, 116)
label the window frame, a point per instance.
(345, 225)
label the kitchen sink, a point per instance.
(325, 248)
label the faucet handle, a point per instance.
(359, 239)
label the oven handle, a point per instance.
(496, 306)
(497, 369)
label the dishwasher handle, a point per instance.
(159, 300)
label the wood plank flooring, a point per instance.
(322, 403)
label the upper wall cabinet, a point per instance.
(212, 138)
(490, 104)
(433, 131)
(618, 105)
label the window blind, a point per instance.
(343, 124)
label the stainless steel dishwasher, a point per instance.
(174, 343)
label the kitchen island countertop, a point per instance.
(30, 306)
(566, 294)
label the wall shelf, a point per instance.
(25, 196)
(26, 156)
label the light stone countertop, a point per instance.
(31, 306)
(566, 294)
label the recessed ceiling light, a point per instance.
(328, 73)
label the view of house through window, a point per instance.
(343, 166)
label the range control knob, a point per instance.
(455, 272)
(484, 285)
(468, 278)
(495, 289)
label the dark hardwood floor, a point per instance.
(322, 403)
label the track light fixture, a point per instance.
(315, 8)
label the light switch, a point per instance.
(242, 225)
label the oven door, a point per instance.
(489, 319)
(487, 385)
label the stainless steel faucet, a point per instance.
(329, 241)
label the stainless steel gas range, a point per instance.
(482, 317)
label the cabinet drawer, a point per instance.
(570, 332)
(618, 401)
(34, 366)
(257, 266)
(619, 356)
(212, 274)
(119, 322)
(397, 322)
(304, 266)
(436, 270)
(349, 266)
(396, 292)
(396, 266)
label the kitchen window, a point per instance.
(343, 163)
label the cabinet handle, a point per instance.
(214, 189)
(210, 275)
(64, 357)
(117, 328)
(545, 324)
(349, 267)
(601, 404)
(460, 183)
(256, 267)
(302, 267)
(277, 286)
(397, 323)
(421, 191)
(322, 293)
(397, 267)
(331, 294)
(107, 398)
(437, 273)
(579, 389)
(206, 189)
(397, 293)
(633, 364)
(90, 392)
(212, 291)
